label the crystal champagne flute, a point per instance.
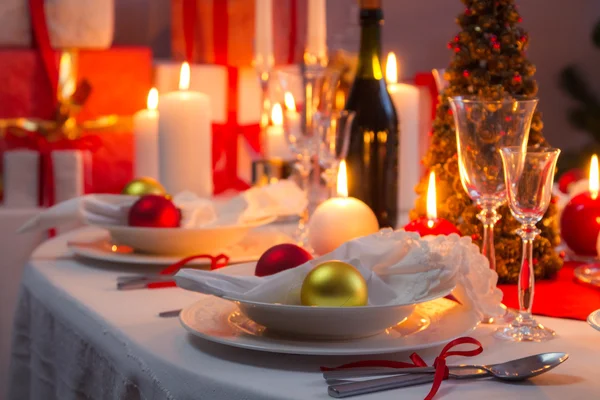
(529, 178)
(482, 128)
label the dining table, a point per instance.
(75, 336)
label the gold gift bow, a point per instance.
(71, 99)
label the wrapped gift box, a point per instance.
(235, 106)
(71, 23)
(224, 29)
(120, 79)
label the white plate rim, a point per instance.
(132, 229)
(593, 318)
(301, 349)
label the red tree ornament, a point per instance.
(580, 223)
(281, 257)
(154, 211)
(568, 178)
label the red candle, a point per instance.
(580, 219)
(431, 224)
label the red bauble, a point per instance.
(153, 211)
(281, 257)
(580, 224)
(438, 226)
(569, 177)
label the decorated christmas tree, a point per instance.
(489, 61)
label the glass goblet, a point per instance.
(334, 132)
(529, 177)
(482, 128)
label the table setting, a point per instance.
(313, 281)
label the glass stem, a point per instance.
(488, 217)
(526, 274)
(265, 112)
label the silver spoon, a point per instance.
(514, 370)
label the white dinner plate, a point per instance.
(431, 324)
(594, 320)
(248, 249)
(182, 241)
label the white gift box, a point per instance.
(71, 173)
(214, 80)
(87, 24)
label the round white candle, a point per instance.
(263, 34)
(316, 33)
(406, 100)
(145, 131)
(185, 140)
(277, 146)
(340, 219)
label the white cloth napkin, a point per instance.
(399, 267)
(283, 198)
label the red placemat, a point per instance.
(562, 297)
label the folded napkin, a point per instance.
(399, 267)
(283, 198)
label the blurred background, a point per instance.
(417, 31)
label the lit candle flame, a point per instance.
(277, 115)
(593, 182)
(391, 68)
(184, 76)
(152, 101)
(431, 201)
(342, 180)
(288, 99)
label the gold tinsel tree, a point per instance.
(488, 61)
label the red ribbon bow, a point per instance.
(441, 369)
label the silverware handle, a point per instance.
(364, 372)
(376, 385)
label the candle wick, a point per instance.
(430, 223)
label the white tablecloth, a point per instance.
(77, 337)
(14, 251)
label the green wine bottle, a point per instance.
(372, 159)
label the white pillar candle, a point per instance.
(263, 34)
(70, 168)
(145, 131)
(185, 140)
(340, 219)
(406, 100)
(277, 145)
(21, 178)
(316, 34)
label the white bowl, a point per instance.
(182, 241)
(329, 323)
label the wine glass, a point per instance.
(482, 128)
(302, 98)
(334, 133)
(529, 178)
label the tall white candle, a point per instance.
(185, 139)
(263, 34)
(316, 34)
(145, 131)
(406, 101)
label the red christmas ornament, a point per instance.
(496, 46)
(153, 211)
(466, 73)
(580, 223)
(468, 12)
(281, 257)
(569, 177)
(517, 79)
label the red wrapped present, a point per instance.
(119, 79)
(220, 35)
(224, 30)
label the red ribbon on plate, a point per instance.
(216, 262)
(441, 369)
